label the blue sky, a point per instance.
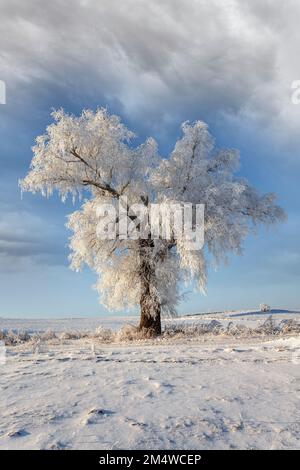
(155, 64)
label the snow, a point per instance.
(211, 391)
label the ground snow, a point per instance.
(210, 392)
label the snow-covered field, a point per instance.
(233, 384)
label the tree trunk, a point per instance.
(150, 316)
(150, 320)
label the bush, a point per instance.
(264, 308)
(103, 334)
(12, 338)
(67, 335)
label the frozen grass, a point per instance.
(130, 333)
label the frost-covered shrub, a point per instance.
(172, 332)
(131, 333)
(68, 335)
(13, 338)
(48, 335)
(236, 330)
(289, 326)
(264, 308)
(104, 334)
(189, 331)
(214, 327)
(268, 327)
(38, 345)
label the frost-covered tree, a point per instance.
(93, 154)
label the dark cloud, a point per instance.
(158, 60)
(25, 238)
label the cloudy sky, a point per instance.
(156, 63)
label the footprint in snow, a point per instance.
(100, 411)
(133, 422)
(95, 413)
(165, 387)
(18, 433)
(57, 446)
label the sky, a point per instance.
(156, 64)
